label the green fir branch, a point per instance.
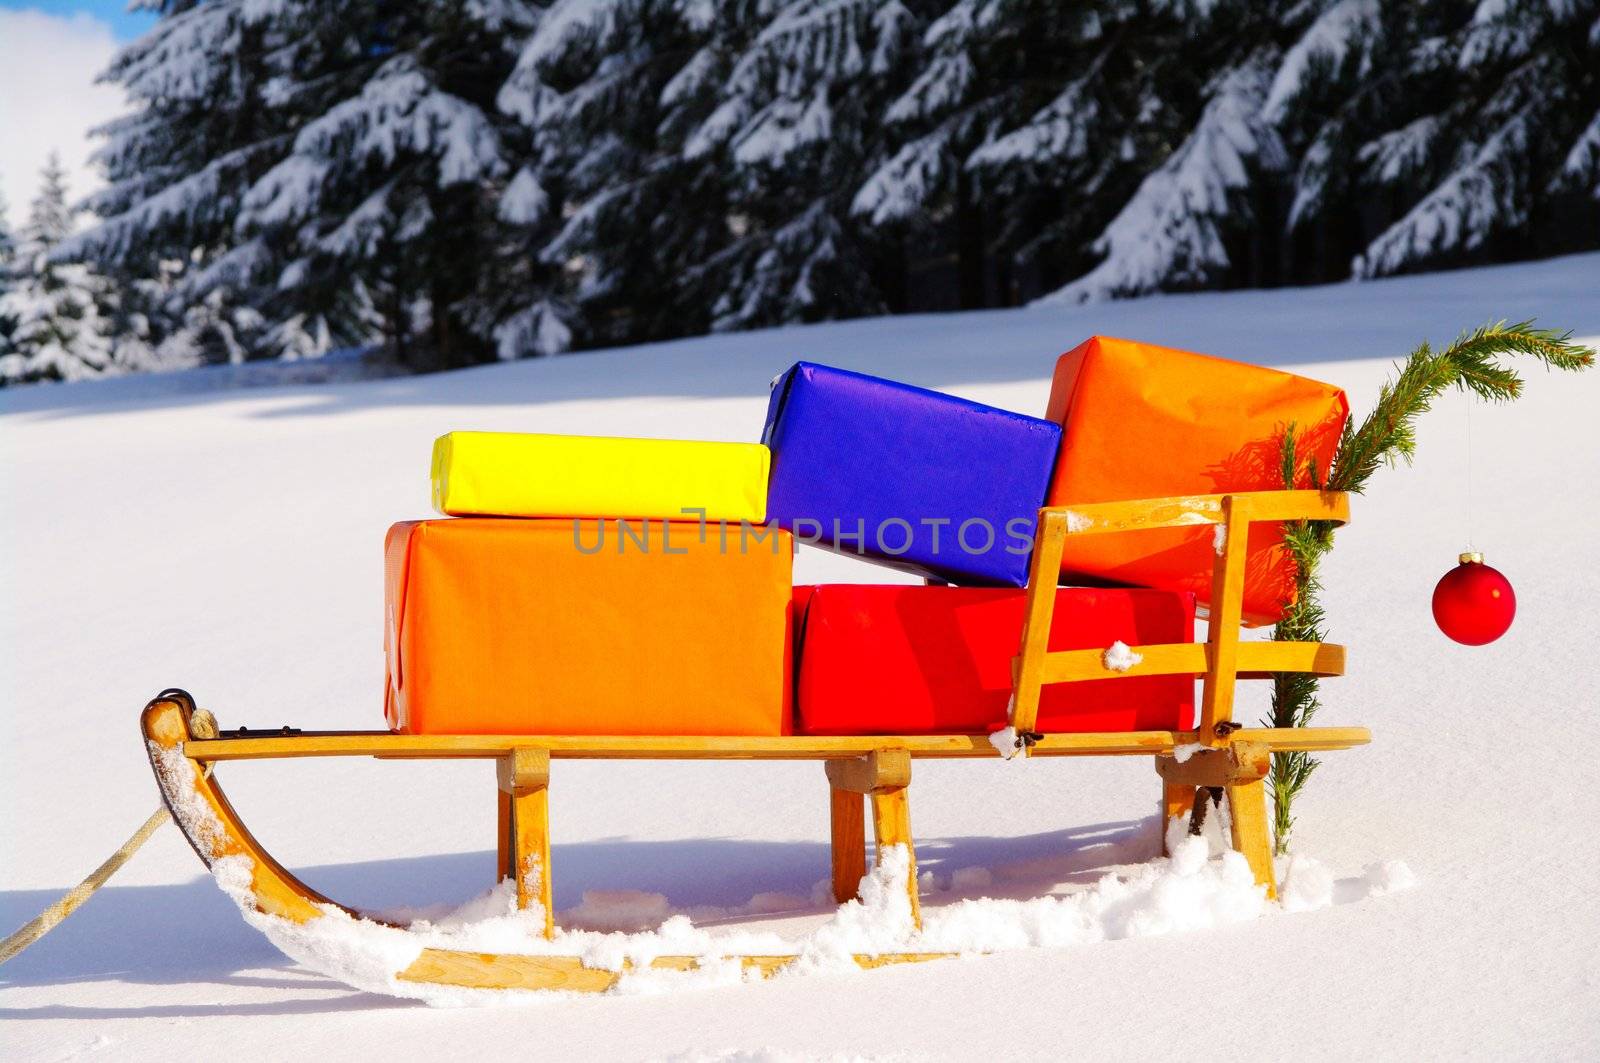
(1386, 436)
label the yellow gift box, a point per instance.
(513, 474)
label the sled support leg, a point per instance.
(883, 775)
(1239, 768)
(524, 778)
(891, 825)
(849, 837)
(1177, 800)
(1247, 808)
(502, 856)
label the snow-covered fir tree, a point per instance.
(7, 242)
(1011, 108)
(794, 129)
(1405, 133)
(464, 180)
(200, 130)
(1038, 137)
(1580, 170)
(387, 204)
(1174, 164)
(1325, 101)
(7, 255)
(695, 148)
(53, 313)
(1173, 232)
(604, 196)
(1513, 91)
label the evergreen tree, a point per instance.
(1436, 134)
(686, 143)
(1039, 137)
(1333, 91)
(57, 331)
(794, 132)
(203, 127)
(1172, 233)
(604, 199)
(7, 243)
(1009, 109)
(387, 203)
(1580, 170)
(7, 255)
(1518, 85)
(472, 179)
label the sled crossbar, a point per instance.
(1217, 756)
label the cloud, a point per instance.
(49, 100)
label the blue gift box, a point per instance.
(906, 476)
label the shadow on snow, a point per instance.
(192, 933)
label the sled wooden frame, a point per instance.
(1218, 755)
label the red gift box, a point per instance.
(882, 659)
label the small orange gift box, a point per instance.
(1141, 421)
(499, 626)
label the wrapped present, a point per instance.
(587, 627)
(880, 659)
(528, 475)
(1141, 421)
(908, 477)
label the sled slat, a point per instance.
(1027, 668)
(1257, 660)
(1227, 602)
(473, 970)
(719, 747)
(1149, 513)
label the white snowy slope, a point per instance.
(168, 531)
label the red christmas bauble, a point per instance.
(1473, 603)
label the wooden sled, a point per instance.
(1218, 754)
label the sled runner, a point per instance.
(185, 746)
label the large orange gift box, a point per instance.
(1142, 421)
(587, 627)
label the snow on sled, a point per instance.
(531, 640)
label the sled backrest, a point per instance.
(1222, 659)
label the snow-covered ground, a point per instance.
(161, 531)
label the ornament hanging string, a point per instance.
(1471, 546)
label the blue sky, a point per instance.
(50, 55)
(124, 24)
